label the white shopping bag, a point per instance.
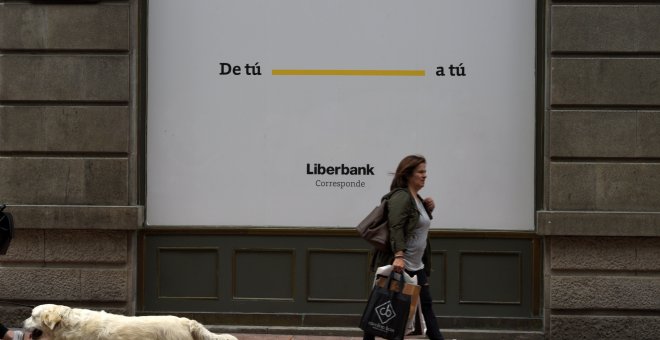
(410, 327)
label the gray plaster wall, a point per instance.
(69, 165)
(601, 216)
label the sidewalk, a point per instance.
(290, 337)
(302, 337)
(289, 333)
(294, 333)
(448, 333)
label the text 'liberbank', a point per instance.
(343, 170)
(319, 169)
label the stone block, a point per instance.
(605, 186)
(26, 246)
(594, 223)
(63, 284)
(605, 253)
(591, 327)
(86, 246)
(593, 134)
(648, 134)
(13, 316)
(39, 284)
(594, 253)
(64, 27)
(77, 217)
(569, 327)
(64, 129)
(572, 186)
(648, 254)
(628, 187)
(66, 181)
(646, 328)
(605, 28)
(605, 293)
(104, 285)
(605, 81)
(64, 78)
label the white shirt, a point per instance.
(416, 243)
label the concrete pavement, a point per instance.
(301, 337)
(290, 337)
(457, 335)
(275, 333)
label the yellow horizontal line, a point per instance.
(384, 73)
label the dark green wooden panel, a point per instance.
(326, 273)
(263, 274)
(490, 278)
(331, 275)
(438, 278)
(187, 273)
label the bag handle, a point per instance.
(3, 216)
(400, 280)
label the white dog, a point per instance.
(65, 323)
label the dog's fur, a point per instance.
(65, 323)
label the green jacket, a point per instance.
(403, 217)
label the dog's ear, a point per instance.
(51, 318)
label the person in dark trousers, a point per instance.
(13, 334)
(409, 219)
(6, 228)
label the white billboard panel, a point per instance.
(295, 112)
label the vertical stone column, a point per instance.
(602, 171)
(69, 162)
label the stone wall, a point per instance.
(69, 167)
(602, 175)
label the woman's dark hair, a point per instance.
(405, 170)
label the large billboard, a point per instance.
(296, 112)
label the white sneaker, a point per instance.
(18, 335)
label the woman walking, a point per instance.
(409, 219)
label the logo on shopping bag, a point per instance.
(385, 312)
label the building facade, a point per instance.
(73, 121)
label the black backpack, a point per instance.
(6, 229)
